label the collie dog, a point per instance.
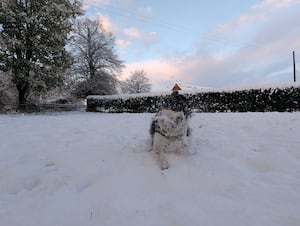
(169, 130)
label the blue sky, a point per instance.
(204, 43)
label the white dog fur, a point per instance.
(170, 130)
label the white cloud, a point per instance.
(147, 38)
(133, 33)
(268, 5)
(123, 43)
(258, 13)
(108, 25)
(247, 67)
(144, 11)
(255, 47)
(266, 57)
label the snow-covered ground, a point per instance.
(83, 169)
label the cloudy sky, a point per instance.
(210, 43)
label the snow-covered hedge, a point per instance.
(252, 100)
(125, 103)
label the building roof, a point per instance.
(176, 87)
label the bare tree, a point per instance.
(94, 49)
(95, 59)
(136, 83)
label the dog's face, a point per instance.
(169, 123)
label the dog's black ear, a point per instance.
(188, 132)
(152, 128)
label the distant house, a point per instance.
(185, 88)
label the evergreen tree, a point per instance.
(33, 36)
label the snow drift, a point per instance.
(75, 169)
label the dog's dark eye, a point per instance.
(178, 119)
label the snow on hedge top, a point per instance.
(127, 96)
(186, 89)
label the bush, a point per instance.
(252, 100)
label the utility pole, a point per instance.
(294, 66)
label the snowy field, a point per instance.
(83, 169)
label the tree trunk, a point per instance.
(22, 90)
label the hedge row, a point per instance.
(135, 104)
(252, 100)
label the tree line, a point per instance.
(49, 46)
